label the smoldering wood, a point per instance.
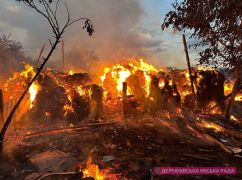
(137, 91)
(81, 106)
(156, 99)
(96, 101)
(169, 91)
(75, 79)
(50, 99)
(210, 88)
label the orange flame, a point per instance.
(92, 170)
(120, 73)
(33, 91)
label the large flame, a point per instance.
(119, 74)
(15, 85)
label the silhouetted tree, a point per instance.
(12, 56)
(216, 26)
(49, 10)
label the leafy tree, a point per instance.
(11, 56)
(216, 26)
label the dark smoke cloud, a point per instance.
(119, 33)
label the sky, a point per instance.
(123, 29)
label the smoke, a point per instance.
(116, 34)
(119, 34)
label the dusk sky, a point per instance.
(129, 28)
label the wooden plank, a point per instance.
(189, 69)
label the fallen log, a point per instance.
(224, 147)
(60, 130)
(60, 173)
(198, 157)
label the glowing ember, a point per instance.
(238, 98)
(211, 125)
(47, 114)
(71, 72)
(83, 92)
(233, 118)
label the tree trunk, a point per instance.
(233, 94)
(16, 106)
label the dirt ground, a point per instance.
(136, 145)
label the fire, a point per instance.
(71, 72)
(68, 107)
(238, 97)
(28, 72)
(228, 87)
(233, 118)
(211, 125)
(33, 91)
(92, 170)
(15, 85)
(83, 92)
(120, 73)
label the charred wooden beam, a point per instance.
(189, 69)
(96, 102)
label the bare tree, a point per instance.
(48, 9)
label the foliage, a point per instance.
(215, 25)
(11, 56)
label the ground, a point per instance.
(135, 145)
